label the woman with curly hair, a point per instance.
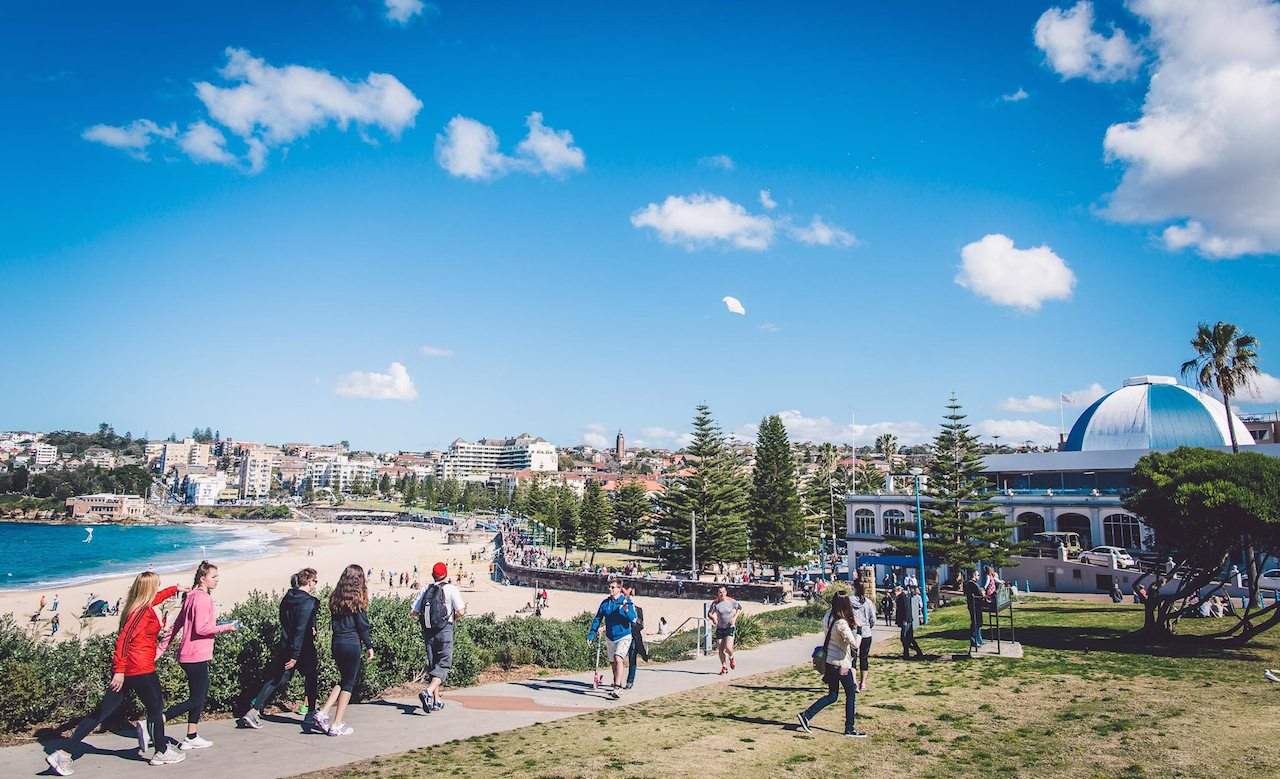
(350, 625)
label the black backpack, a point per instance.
(434, 607)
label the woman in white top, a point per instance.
(842, 651)
(865, 611)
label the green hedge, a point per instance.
(52, 683)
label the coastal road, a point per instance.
(280, 749)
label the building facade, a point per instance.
(187, 452)
(255, 473)
(43, 455)
(105, 507)
(204, 489)
(480, 459)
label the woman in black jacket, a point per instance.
(350, 623)
(296, 652)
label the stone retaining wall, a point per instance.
(657, 588)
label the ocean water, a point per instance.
(37, 556)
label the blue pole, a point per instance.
(924, 590)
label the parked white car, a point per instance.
(1101, 555)
(1269, 580)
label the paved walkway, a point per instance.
(386, 727)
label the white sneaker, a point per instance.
(168, 757)
(144, 738)
(341, 729)
(199, 742)
(322, 721)
(250, 719)
(60, 762)
(1270, 676)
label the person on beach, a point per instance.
(54, 606)
(437, 608)
(197, 625)
(54, 625)
(841, 646)
(133, 666)
(724, 612)
(613, 620)
(42, 604)
(350, 625)
(295, 653)
(865, 610)
(638, 649)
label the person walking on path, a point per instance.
(613, 620)
(865, 610)
(133, 666)
(54, 606)
(296, 651)
(974, 600)
(907, 611)
(841, 647)
(196, 624)
(349, 623)
(437, 608)
(638, 649)
(724, 612)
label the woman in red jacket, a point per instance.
(133, 666)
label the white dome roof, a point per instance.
(1154, 412)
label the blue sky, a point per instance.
(210, 287)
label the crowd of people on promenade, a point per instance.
(144, 635)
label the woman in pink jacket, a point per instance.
(197, 625)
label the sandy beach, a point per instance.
(329, 548)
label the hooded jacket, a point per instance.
(298, 622)
(616, 614)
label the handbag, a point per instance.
(820, 652)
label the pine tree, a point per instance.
(384, 484)
(595, 519)
(777, 525)
(409, 492)
(631, 512)
(962, 527)
(715, 494)
(566, 518)
(823, 507)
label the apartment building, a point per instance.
(255, 473)
(106, 507)
(43, 455)
(204, 489)
(341, 474)
(482, 458)
(187, 452)
(99, 457)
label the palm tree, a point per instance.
(887, 444)
(1226, 360)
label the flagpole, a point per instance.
(1061, 422)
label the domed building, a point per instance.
(1079, 488)
(1154, 412)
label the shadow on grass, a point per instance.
(793, 726)
(1080, 638)
(779, 689)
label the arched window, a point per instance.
(864, 522)
(1122, 530)
(1079, 524)
(1029, 523)
(895, 523)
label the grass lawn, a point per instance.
(1083, 703)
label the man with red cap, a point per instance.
(437, 607)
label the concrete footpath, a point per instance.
(387, 727)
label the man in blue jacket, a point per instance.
(613, 620)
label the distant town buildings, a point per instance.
(479, 460)
(99, 457)
(43, 455)
(620, 446)
(204, 489)
(187, 452)
(255, 474)
(106, 507)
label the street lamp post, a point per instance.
(693, 545)
(924, 600)
(835, 560)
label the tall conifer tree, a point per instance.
(777, 525)
(595, 519)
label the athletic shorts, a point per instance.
(439, 652)
(723, 633)
(864, 653)
(619, 648)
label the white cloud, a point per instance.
(1073, 49)
(1203, 152)
(659, 433)
(1016, 431)
(1264, 388)
(205, 143)
(428, 350)
(395, 384)
(1016, 97)
(594, 435)
(1022, 278)
(769, 327)
(1031, 404)
(402, 11)
(133, 138)
(545, 150)
(767, 200)
(720, 161)
(802, 428)
(819, 233)
(697, 221)
(733, 305)
(469, 149)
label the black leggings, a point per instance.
(148, 688)
(348, 656)
(198, 691)
(278, 678)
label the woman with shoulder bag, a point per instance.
(838, 654)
